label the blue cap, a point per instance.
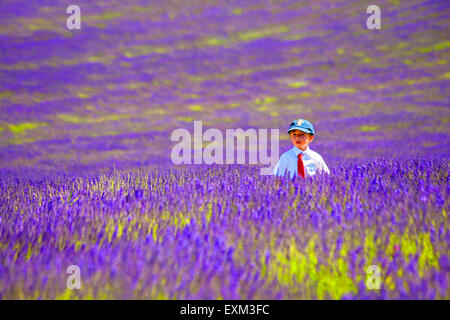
(302, 125)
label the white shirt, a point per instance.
(312, 161)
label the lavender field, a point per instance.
(86, 175)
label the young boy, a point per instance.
(300, 160)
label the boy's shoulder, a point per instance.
(288, 153)
(311, 153)
(314, 154)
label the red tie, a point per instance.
(300, 166)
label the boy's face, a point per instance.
(300, 139)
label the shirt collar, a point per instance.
(297, 150)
